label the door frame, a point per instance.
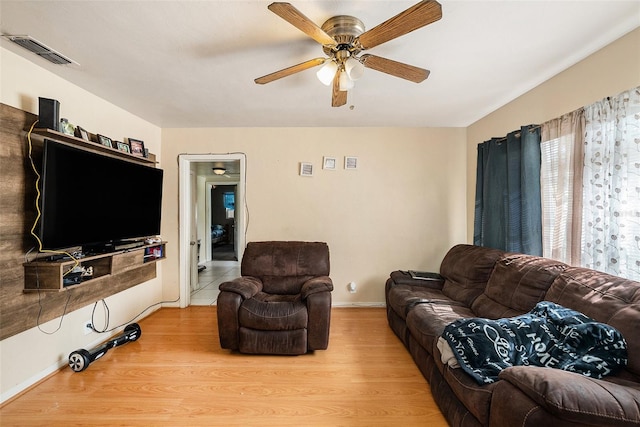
(186, 210)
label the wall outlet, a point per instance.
(352, 287)
(86, 327)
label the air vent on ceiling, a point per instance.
(40, 49)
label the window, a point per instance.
(591, 186)
(229, 200)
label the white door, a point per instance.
(193, 235)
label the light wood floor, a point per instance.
(176, 374)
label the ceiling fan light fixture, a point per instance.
(343, 38)
(345, 82)
(219, 170)
(354, 68)
(327, 72)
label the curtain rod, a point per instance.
(517, 133)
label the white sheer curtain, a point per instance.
(561, 186)
(590, 186)
(611, 191)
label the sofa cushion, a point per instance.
(606, 298)
(427, 321)
(403, 298)
(466, 269)
(517, 284)
(268, 312)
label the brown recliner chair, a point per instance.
(282, 302)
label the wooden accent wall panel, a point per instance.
(19, 310)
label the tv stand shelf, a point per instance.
(55, 276)
(82, 143)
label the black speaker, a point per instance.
(48, 113)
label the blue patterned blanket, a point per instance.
(549, 335)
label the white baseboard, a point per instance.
(19, 388)
(358, 304)
(60, 364)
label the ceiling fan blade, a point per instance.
(293, 16)
(395, 68)
(338, 97)
(417, 16)
(289, 71)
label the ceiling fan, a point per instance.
(343, 39)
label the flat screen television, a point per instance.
(96, 201)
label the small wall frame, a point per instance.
(306, 169)
(350, 163)
(329, 163)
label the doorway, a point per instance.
(196, 178)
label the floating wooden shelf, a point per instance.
(94, 146)
(45, 275)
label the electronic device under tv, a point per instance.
(95, 201)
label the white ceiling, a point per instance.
(192, 63)
(231, 174)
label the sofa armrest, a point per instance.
(401, 277)
(228, 324)
(577, 398)
(315, 285)
(246, 286)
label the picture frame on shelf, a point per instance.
(67, 128)
(329, 163)
(137, 147)
(82, 133)
(123, 146)
(105, 140)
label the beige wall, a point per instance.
(27, 357)
(607, 72)
(403, 207)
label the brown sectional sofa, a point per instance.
(489, 283)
